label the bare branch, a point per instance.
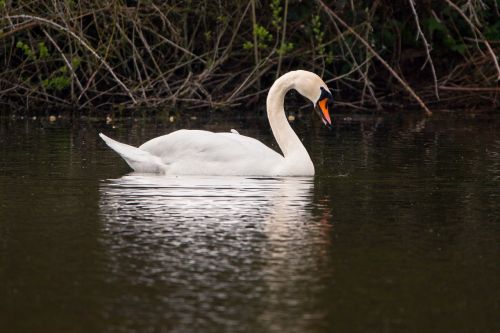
(476, 30)
(427, 47)
(376, 55)
(81, 41)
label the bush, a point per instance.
(91, 54)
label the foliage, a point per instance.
(263, 35)
(277, 14)
(164, 53)
(319, 34)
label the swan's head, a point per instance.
(312, 87)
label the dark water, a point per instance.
(398, 232)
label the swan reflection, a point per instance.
(209, 243)
(173, 199)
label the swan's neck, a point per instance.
(289, 143)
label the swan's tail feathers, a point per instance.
(137, 159)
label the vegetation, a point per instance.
(127, 54)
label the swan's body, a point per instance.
(195, 152)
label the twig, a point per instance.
(483, 39)
(68, 63)
(16, 28)
(476, 89)
(283, 35)
(249, 76)
(72, 34)
(386, 65)
(357, 68)
(255, 42)
(427, 47)
(367, 82)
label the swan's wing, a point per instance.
(202, 152)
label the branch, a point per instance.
(475, 29)
(427, 49)
(84, 44)
(474, 89)
(332, 15)
(68, 63)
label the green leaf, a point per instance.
(75, 62)
(460, 48)
(435, 25)
(43, 51)
(247, 45)
(285, 48)
(493, 32)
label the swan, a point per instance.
(197, 152)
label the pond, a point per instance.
(398, 231)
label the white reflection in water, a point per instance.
(217, 249)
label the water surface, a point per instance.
(398, 231)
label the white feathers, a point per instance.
(137, 159)
(195, 152)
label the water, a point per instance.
(398, 231)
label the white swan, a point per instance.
(195, 152)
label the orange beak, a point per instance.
(323, 105)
